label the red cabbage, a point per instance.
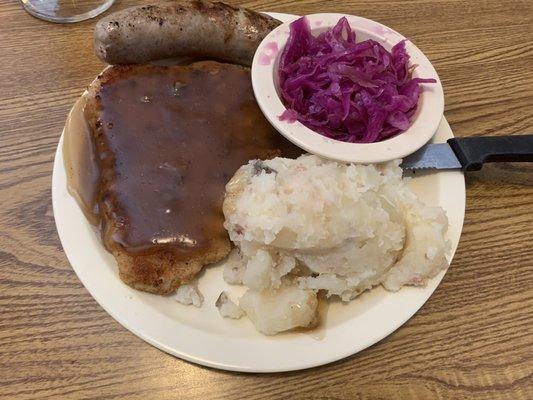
(349, 91)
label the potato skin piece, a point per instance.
(186, 28)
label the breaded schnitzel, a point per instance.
(166, 141)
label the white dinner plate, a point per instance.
(201, 336)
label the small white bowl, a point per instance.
(423, 124)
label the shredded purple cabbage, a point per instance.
(354, 92)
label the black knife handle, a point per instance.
(472, 152)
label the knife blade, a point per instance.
(432, 156)
(470, 153)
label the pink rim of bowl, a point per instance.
(423, 124)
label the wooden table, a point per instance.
(473, 338)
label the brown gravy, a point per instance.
(80, 163)
(169, 139)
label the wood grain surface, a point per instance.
(472, 340)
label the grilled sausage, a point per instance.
(193, 28)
